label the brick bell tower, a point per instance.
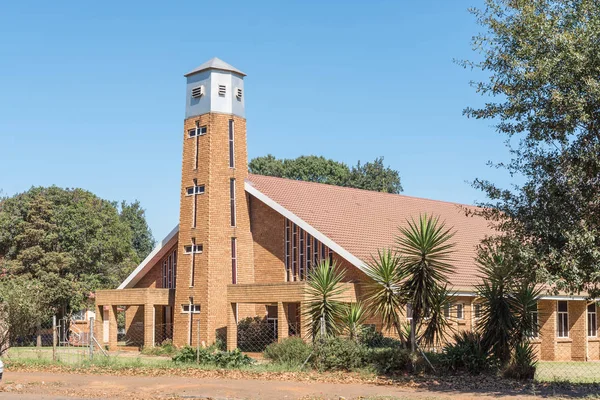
(215, 243)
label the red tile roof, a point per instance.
(363, 221)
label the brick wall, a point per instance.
(153, 278)
(213, 225)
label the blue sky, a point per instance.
(92, 94)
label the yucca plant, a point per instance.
(437, 325)
(498, 322)
(353, 319)
(425, 248)
(524, 304)
(324, 292)
(384, 297)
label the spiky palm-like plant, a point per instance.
(384, 297)
(498, 322)
(324, 291)
(437, 325)
(353, 319)
(426, 249)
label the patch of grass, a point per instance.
(568, 372)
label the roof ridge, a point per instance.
(364, 190)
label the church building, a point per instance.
(245, 244)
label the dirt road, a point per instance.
(44, 385)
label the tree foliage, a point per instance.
(543, 76)
(67, 241)
(508, 302)
(324, 293)
(141, 236)
(369, 176)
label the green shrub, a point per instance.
(338, 354)
(374, 339)
(255, 334)
(291, 352)
(166, 348)
(467, 353)
(212, 356)
(522, 365)
(389, 359)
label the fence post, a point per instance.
(54, 338)
(91, 338)
(198, 342)
(39, 336)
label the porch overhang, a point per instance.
(288, 292)
(133, 297)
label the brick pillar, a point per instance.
(149, 325)
(547, 322)
(112, 327)
(231, 327)
(99, 324)
(577, 331)
(305, 322)
(282, 321)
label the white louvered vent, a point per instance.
(222, 90)
(238, 93)
(198, 91)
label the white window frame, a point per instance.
(197, 131)
(198, 248)
(559, 319)
(231, 141)
(234, 263)
(233, 204)
(192, 190)
(185, 308)
(477, 309)
(460, 306)
(595, 315)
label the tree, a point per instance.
(426, 250)
(375, 176)
(353, 318)
(369, 176)
(324, 291)
(384, 297)
(508, 302)
(21, 313)
(540, 59)
(69, 241)
(141, 239)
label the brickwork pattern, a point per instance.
(212, 268)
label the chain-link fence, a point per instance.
(64, 340)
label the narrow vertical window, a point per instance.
(174, 271)
(315, 251)
(477, 310)
(231, 144)
(592, 320)
(460, 311)
(164, 274)
(534, 319)
(308, 253)
(234, 260)
(232, 200)
(288, 264)
(192, 263)
(562, 322)
(302, 249)
(294, 251)
(196, 145)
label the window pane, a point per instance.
(231, 152)
(562, 306)
(232, 200)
